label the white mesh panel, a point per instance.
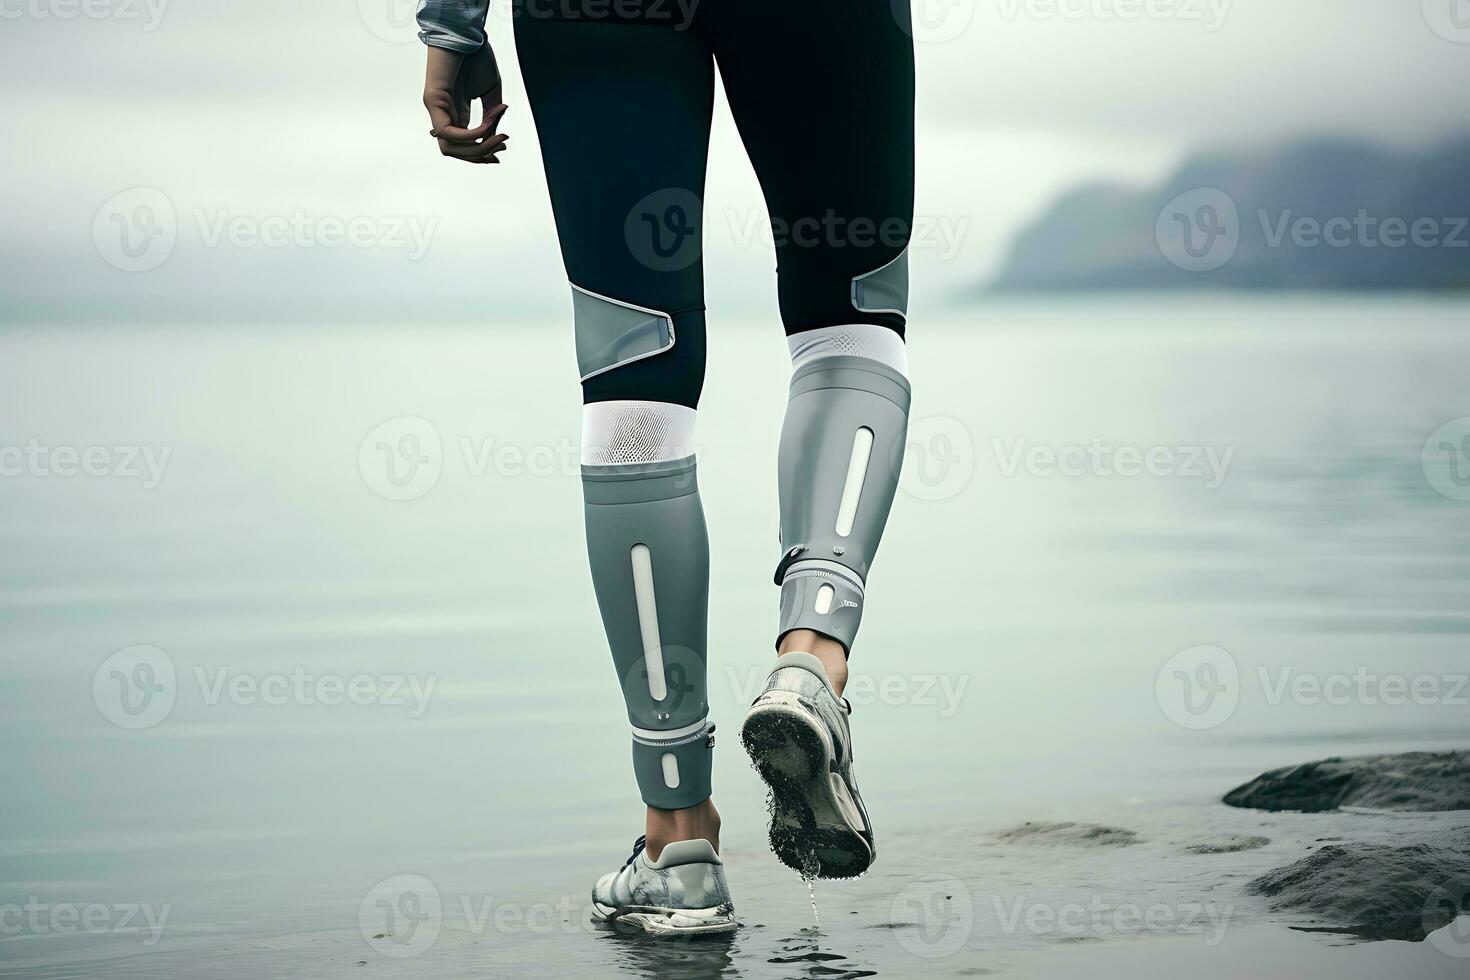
(636, 432)
(854, 340)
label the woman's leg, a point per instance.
(823, 92)
(623, 114)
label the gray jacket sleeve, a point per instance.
(458, 25)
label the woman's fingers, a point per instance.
(483, 152)
(450, 133)
(493, 113)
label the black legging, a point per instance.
(823, 94)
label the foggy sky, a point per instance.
(274, 113)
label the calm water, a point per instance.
(314, 644)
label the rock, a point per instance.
(1422, 781)
(1079, 834)
(1228, 845)
(1373, 891)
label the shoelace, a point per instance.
(638, 846)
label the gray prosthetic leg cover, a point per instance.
(649, 551)
(841, 452)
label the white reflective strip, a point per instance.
(851, 340)
(636, 432)
(672, 734)
(823, 605)
(671, 770)
(852, 491)
(653, 651)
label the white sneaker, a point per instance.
(797, 735)
(682, 893)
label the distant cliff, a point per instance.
(1327, 214)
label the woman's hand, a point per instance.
(451, 85)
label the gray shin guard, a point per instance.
(650, 566)
(841, 451)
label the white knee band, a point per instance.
(853, 340)
(626, 432)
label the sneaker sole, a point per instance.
(665, 921)
(816, 825)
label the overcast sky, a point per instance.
(234, 114)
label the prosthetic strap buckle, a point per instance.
(787, 560)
